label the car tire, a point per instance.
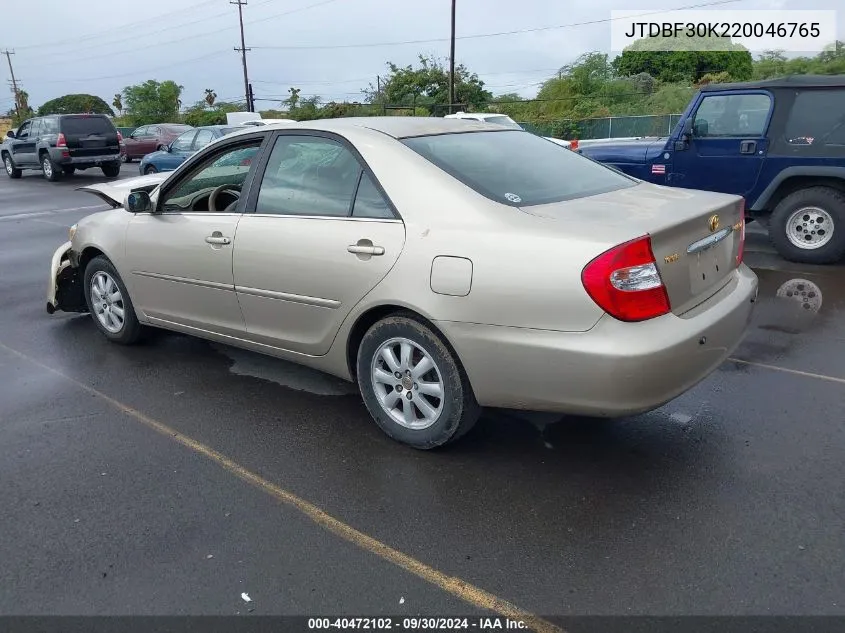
(51, 170)
(114, 317)
(423, 421)
(150, 169)
(11, 170)
(111, 170)
(125, 159)
(69, 170)
(808, 226)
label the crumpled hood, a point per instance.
(114, 192)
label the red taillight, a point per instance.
(119, 137)
(741, 250)
(61, 141)
(625, 282)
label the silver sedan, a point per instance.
(443, 265)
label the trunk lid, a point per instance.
(695, 235)
(89, 135)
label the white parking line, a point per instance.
(39, 214)
(797, 372)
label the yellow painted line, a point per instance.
(797, 372)
(459, 588)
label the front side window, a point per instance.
(215, 183)
(140, 132)
(517, 168)
(731, 115)
(308, 176)
(23, 130)
(182, 143)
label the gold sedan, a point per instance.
(444, 265)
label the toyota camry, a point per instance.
(443, 265)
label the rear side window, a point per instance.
(816, 123)
(87, 125)
(517, 168)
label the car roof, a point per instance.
(396, 126)
(790, 81)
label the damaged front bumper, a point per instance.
(64, 291)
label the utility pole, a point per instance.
(243, 49)
(452, 62)
(8, 55)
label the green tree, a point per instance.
(76, 104)
(293, 100)
(670, 60)
(200, 114)
(117, 102)
(428, 85)
(152, 102)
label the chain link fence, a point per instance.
(607, 127)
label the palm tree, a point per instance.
(210, 96)
(117, 102)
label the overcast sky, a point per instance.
(100, 47)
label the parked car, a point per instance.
(171, 156)
(443, 265)
(501, 119)
(60, 144)
(151, 138)
(780, 143)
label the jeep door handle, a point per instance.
(747, 147)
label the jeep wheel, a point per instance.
(111, 170)
(808, 226)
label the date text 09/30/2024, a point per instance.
(418, 623)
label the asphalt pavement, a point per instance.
(179, 476)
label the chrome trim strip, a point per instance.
(286, 296)
(710, 240)
(247, 214)
(184, 280)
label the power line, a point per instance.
(485, 35)
(136, 72)
(157, 19)
(183, 38)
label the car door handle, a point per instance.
(747, 147)
(360, 249)
(218, 239)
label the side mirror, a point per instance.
(10, 134)
(138, 202)
(132, 135)
(168, 148)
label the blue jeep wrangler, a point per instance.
(779, 143)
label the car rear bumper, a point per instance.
(612, 370)
(64, 289)
(62, 158)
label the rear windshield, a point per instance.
(517, 168)
(87, 125)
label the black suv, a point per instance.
(62, 143)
